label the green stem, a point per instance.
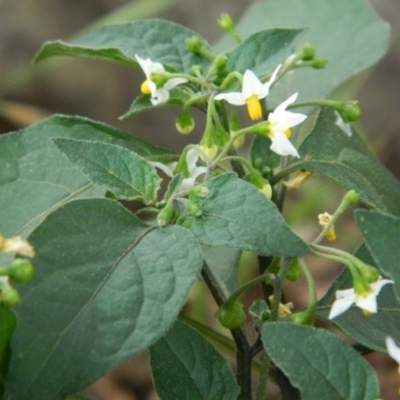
(343, 206)
(255, 281)
(339, 256)
(219, 340)
(195, 99)
(263, 379)
(229, 78)
(278, 289)
(322, 103)
(287, 171)
(193, 79)
(232, 139)
(244, 353)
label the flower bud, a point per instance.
(368, 272)
(194, 208)
(194, 44)
(303, 318)
(184, 122)
(225, 22)
(199, 191)
(261, 184)
(165, 215)
(319, 63)
(307, 52)
(209, 151)
(20, 270)
(350, 111)
(9, 296)
(231, 315)
(351, 198)
(294, 271)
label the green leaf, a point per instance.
(261, 155)
(186, 366)
(381, 235)
(235, 214)
(369, 331)
(143, 103)
(36, 179)
(161, 41)
(224, 263)
(318, 363)
(106, 286)
(328, 31)
(122, 172)
(263, 51)
(336, 150)
(7, 326)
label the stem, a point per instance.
(215, 337)
(327, 103)
(338, 256)
(263, 379)
(229, 78)
(278, 289)
(244, 353)
(287, 171)
(195, 99)
(312, 292)
(255, 281)
(193, 79)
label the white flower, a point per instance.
(192, 157)
(393, 350)
(366, 301)
(280, 122)
(159, 95)
(253, 90)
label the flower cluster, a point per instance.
(158, 84)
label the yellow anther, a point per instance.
(367, 313)
(288, 133)
(145, 87)
(254, 107)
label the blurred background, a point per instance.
(104, 91)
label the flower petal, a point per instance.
(168, 169)
(160, 96)
(192, 156)
(282, 145)
(284, 104)
(345, 294)
(287, 120)
(367, 303)
(379, 284)
(251, 85)
(266, 86)
(171, 83)
(149, 67)
(340, 305)
(235, 98)
(392, 349)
